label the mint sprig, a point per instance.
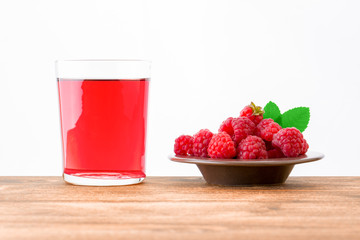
(272, 111)
(298, 117)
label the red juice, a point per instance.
(103, 125)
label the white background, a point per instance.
(209, 59)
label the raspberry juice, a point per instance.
(103, 125)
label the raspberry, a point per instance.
(227, 127)
(201, 143)
(275, 153)
(237, 128)
(243, 127)
(290, 141)
(266, 129)
(221, 146)
(253, 112)
(252, 147)
(184, 145)
(305, 147)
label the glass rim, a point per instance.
(103, 60)
(102, 68)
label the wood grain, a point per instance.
(180, 208)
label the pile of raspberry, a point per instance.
(248, 136)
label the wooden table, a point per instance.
(180, 208)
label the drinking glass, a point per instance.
(103, 113)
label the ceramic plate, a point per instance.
(233, 172)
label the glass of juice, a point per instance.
(103, 113)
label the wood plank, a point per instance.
(180, 208)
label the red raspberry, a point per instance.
(305, 147)
(253, 112)
(275, 153)
(252, 147)
(243, 127)
(290, 141)
(201, 143)
(227, 127)
(266, 129)
(221, 146)
(184, 145)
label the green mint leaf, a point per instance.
(297, 117)
(272, 111)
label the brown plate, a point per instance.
(233, 172)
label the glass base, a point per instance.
(100, 179)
